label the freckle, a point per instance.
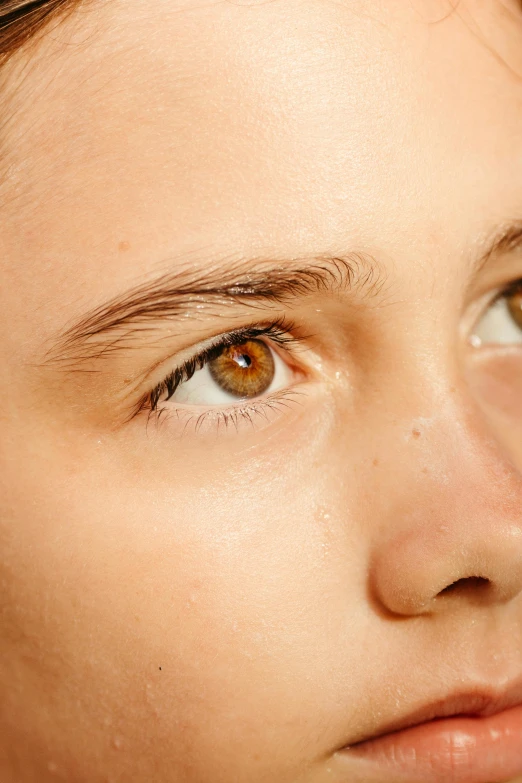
(124, 245)
(416, 434)
(375, 463)
(424, 470)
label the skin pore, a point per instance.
(233, 591)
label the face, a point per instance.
(261, 379)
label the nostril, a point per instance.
(469, 583)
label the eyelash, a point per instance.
(278, 332)
(510, 290)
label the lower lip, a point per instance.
(450, 750)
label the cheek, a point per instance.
(163, 613)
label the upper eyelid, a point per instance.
(186, 353)
(502, 293)
(509, 289)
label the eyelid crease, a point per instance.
(504, 240)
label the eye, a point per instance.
(254, 365)
(240, 371)
(250, 373)
(501, 324)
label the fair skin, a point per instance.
(237, 599)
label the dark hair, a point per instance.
(21, 20)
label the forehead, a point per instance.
(302, 125)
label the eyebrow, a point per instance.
(122, 322)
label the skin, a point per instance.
(238, 605)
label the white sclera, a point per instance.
(497, 326)
(202, 389)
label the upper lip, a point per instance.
(476, 702)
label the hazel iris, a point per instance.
(244, 370)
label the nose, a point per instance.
(453, 531)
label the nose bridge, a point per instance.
(453, 516)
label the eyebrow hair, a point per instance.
(121, 322)
(257, 283)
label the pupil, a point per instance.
(244, 361)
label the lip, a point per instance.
(473, 737)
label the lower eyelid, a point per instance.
(253, 415)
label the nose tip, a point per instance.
(426, 571)
(450, 524)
